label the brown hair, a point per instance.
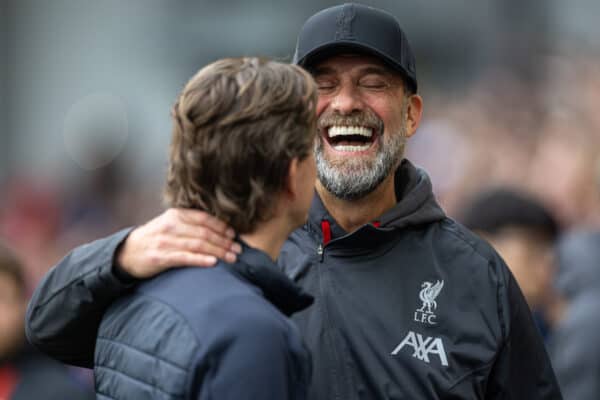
(238, 124)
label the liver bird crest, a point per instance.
(428, 295)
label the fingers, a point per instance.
(184, 258)
(216, 240)
(196, 217)
(194, 224)
(201, 247)
(177, 237)
(162, 261)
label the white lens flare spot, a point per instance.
(96, 130)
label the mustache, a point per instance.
(356, 118)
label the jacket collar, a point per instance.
(257, 268)
(416, 204)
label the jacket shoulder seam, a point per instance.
(461, 237)
(136, 349)
(186, 321)
(181, 317)
(115, 371)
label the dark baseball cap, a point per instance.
(356, 27)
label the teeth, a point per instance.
(350, 130)
(352, 148)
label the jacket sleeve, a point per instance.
(260, 362)
(67, 306)
(522, 369)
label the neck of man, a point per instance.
(352, 214)
(269, 236)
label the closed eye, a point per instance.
(372, 83)
(325, 86)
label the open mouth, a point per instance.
(350, 138)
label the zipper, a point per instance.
(327, 237)
(332, 352)
(339, 372)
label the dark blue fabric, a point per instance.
(206, 333)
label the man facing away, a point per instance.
(408, 304)
(241, 150)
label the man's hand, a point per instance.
(176, 237)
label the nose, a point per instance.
(347, 100)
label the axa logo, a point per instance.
(423, 347)
(427, 295)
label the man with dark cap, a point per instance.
(523, 232)
(408, 304)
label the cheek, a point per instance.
(321, 105)
(387, 108)
(390, 116)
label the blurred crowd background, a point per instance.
(511, 90)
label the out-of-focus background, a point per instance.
(511, 90)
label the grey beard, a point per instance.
(352, 179)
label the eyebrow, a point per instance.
(376, 70)
(317, 71)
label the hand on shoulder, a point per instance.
(176, 237)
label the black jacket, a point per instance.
(417, 308)
(198, 333)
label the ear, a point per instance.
(292, 186)
(414, 114)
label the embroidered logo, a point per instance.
(344, 23)
(423, 347)
(428, 294)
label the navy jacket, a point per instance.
(412, 307)
(197, 333)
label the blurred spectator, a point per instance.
(30, 220)
(563, 171)
(523, 232)
(574, 345)
(24, 373)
